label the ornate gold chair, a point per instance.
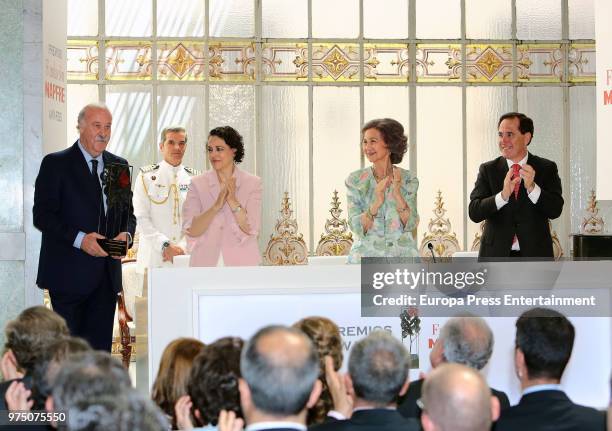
(286, 245)
(337, 239)
(439, 233)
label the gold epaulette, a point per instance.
(192, 171)
(149, 168)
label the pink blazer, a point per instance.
(223, 233)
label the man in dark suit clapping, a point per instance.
(516, 193)
(72, 213)
(544, 341)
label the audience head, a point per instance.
(50, 363)
(457, 398)
(231, 144)
(95, 391)
(544, 342)
(173, 374)
(279, 367)
(378, 369)
(325, 335)
(213, 382)
(466, 340)
(28, 335)
(392, 133)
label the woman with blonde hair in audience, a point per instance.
(173, 374)
(326, 338)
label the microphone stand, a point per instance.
(431, 250)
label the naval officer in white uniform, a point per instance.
(159, 194)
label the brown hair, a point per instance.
(28, 335)
(393, 134)
(325, 336)
(173, 374)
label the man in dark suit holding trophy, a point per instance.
(74, 212)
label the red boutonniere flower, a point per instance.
(124, 179)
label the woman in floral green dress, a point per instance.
(382, 198)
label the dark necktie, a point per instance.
(94, 175)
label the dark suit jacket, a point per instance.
(66, 202)
(548, 411)
(408, 407)
(522, 217)
(371, 420)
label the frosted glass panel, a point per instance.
(77, 96)
(231, 18)
(284, 164)
(337, 18)
(581, 19)
(484, 106)
(336, 148)
(82, 17)
(582, 151)
(183, 106)
(284, 18)
(438, 19)
(234, 105)
(545, 106)
(385, 19)
(132, 137)
(128, 18)
(488, 19)
(180, 18)
(440, 156)
(539, 19)
(376, 105)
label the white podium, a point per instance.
(208, 303)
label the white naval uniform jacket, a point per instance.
(159, 193)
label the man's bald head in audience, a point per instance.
(280, 366)
(457, 398)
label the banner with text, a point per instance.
(54, 75)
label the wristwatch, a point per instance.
(237, 209)
(165, 245)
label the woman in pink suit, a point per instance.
(222, 210)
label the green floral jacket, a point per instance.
(387, 237)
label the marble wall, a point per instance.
(20, 154)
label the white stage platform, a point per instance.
(208, 303)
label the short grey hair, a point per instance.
(379, 366)
(95, 391)
(467, 340)
(280, 380)
(171, 129)
(83, 111)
